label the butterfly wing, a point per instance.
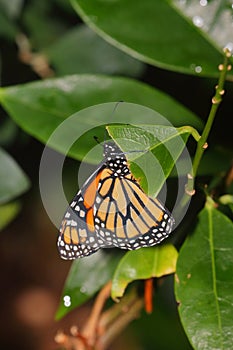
(126, 217)
(77, 236)
(112, 210)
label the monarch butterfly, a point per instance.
(111, 210)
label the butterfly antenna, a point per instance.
(105, 134)
(112, 114)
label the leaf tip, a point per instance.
(115, 298)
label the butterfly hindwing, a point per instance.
(77, 236)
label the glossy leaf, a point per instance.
(13, 181)
(227, 199)
(11, 8)
(81, 50)
(8, 28)
(85, 278)
(8, 212)
(44, 28)
(156, 32)
(40, 107)
(153, 149)
(204, 281)
(8, 132)
(143, 264)
(213, 19)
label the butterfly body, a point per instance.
(111, 210)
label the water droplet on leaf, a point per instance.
(203, 2)
(83, 289)
(67, 300)
(196, 68)
(198, 21)
(229, 46)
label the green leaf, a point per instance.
(8, 132)
(226, 199)
(204, 281)
(156, 32)
(143, 264)
(8, 28)
(11, 8)
(213, 19)
(84, 54)
(40, 107)
(8, 212)
(85, 278)
(44, 28)
(165, 144)
(13, 181)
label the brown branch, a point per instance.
(37, 61)
(66, 341)
(102, 327)
(89, 330)
(109, 316)
(125, 314)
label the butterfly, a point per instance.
(111, 210)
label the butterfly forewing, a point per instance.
(112, 210)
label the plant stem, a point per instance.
(216, 100)
(202, 143)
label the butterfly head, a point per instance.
(115, 159)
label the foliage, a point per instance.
(81, 71)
